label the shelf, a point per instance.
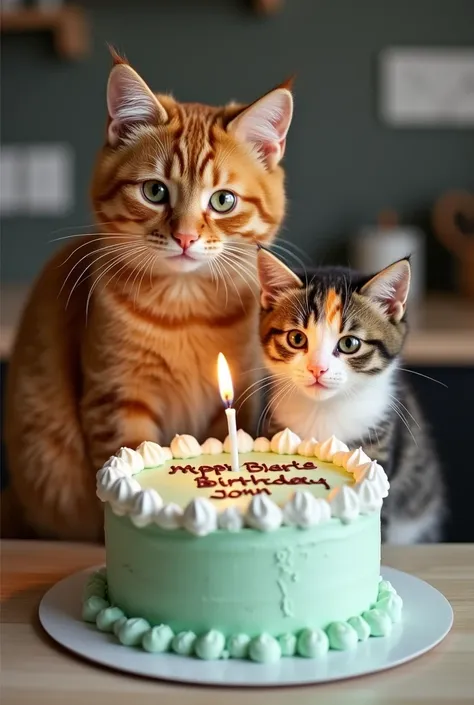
(442, 332)
(68, 25)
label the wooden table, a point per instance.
(37, 671)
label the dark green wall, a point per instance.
(343, 164)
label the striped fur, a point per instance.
(120, 337)
(317, 390)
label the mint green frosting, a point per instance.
(287, 644)
(238, 645)
(158, 639)
(391, 604)
(378, 621)
(183, 643)
(92, 606)
(132, 631)
(342, 636)
(233, 581)
(96, 586)
(107, 617)
(312, 643)
(118, 625)
(309, 643)
(361, 627)
(264, 649)
(386, 585)
(210, 646)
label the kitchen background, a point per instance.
(380, 157)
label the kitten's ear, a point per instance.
(130, 103)
(265, 124)
(390, 288)
(275, 277)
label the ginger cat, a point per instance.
(119, 340)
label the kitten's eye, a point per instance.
(155, 192)
(222, 201)
(349, 344)
(296, 339)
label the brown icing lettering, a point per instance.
(234, 494)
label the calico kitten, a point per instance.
(332, 341)
(121, 333)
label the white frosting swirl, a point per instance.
(370, 499)
(306, 447)
(145, 508)
(167, 453)
(133, 459)
(285, 442)
(185, 447)
(152, 454)
(344, 504)
(122, 494)
(261, 445)
(170, 516)
(263, 514)
(244, 442)
(340, 457)
(118, 464)
(105, 479)
(326, 449)
(354, 459)
(374, 473)
(212, 446)
(231, 519)
(304, 510)
(200, 517)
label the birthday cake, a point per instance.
(278, 558)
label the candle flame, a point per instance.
(226, 388)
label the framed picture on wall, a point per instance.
(426, 87)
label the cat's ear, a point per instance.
(275, 277)
(265, 124)
(130, 103)
(390, 288)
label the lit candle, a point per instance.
(226, 390)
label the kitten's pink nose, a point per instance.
(317, 370)
(185, 240)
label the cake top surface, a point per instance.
(284, 480)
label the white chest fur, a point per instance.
(348, 416)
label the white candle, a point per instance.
(234, 451)
(226, 390)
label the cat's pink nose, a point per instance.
(185, 240)
(317, 370)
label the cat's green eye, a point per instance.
(222, 201)
(349, 344)
(296, 339)
(155, 192)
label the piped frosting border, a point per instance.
(117, 486)
(376, 621)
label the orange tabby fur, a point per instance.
(113, 347)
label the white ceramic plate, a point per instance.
(427, 618)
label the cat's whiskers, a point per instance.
(297, 259)
(145, 266)
(260, 384)
(432, 379)
(290, 243)
(404, 421)
(101, 276)
(280, 389)
(88, 242)
(222, 278)
(240, 271)
(397, 401)
(279, 398)
(122, 249)
(77, 227)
